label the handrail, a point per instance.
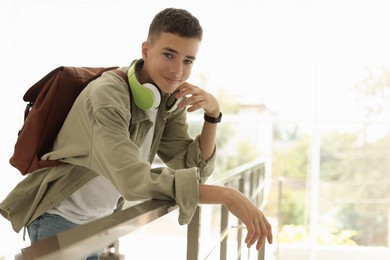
(249, 179)
(86, 239)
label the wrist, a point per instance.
(212, 114)
(227, 195)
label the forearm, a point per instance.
(212, 194)
(207, 140)
(197, 98)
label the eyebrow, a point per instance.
(175, 51)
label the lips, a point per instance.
(172, 81)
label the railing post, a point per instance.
(224, 228)
(241, 187)
(260, 178)
(193, 233)
(261, 253)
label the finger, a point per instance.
(193, 108)
(250, 231)
(188, 90)
(269, 228)
(264, 233)
(256, 233)
(189, 101)
(194, 102)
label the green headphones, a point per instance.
(147, 96)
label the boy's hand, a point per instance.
(256, 223)
(198, 98)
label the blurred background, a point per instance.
(305, 84)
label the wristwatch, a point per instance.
(213, 120)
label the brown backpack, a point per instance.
(49, 101)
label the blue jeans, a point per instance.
(48, 225)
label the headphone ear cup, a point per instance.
(156, 93)
(172, 102)
(145, 96)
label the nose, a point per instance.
(176, 68)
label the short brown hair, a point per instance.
(176, 21)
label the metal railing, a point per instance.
(250, 179)
(86, 239)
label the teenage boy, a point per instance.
(112, 135)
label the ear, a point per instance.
(145, 49)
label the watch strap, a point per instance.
(213, 120)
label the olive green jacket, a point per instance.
(101, 136)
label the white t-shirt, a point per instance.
(99, 197)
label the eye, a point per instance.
(188, 61)
(168, 55)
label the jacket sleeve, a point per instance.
(179, 150)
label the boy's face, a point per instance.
(168, 60)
